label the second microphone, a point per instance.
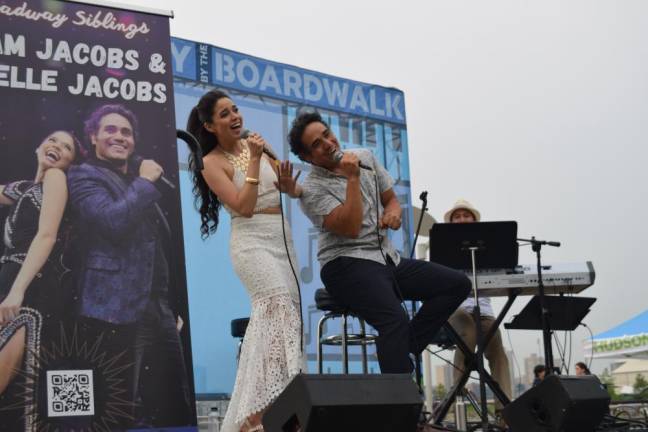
(337, 157)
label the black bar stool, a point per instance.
(332, 309)
(443, 340)
(238, 327)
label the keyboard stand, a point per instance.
(456, 245)
(471, 365)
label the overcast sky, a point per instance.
(534, 111)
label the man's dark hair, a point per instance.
(297, 131)
(92, 123)
(538, 369)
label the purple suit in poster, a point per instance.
(115, 270)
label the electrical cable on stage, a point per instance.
(561, 353)
(592, 343)
(491, 428)
(436, 354)
(610, 422)
(515, 359)
(570, 294)
(301, 318)
(382, 252)
(393, 275)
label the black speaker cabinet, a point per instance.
(559, 404)
(341, 403)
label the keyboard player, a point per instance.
(463, 322)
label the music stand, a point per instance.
(564, 313)
(470, 246)
(497, 242)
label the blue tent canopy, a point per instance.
(633, 326)
(628, 339)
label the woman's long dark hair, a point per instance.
(205, 200)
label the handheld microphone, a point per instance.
(246, 133)
(137, 161)
(337, 157)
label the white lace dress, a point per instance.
(270, 354)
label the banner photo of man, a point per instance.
(94, 330)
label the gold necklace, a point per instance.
(241, 161)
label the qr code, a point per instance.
(70, 393)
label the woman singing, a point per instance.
(30, 270)
(238, 174)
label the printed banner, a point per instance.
(269, 96)
(626, 346)
(93, 301)
(229, 69)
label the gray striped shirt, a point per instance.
(324, 190)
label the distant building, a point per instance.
(517, 382)
(443, 375)
(624, 376)
(529, 363)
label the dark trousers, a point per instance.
(144, 368)
(160, 382)
(111, 361)
(371, 291)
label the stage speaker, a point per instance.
(346, 403)
(559, 404)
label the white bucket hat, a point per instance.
(462, 204)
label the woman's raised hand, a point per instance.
(287, 183)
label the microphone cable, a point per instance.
(292, 267)
(272, 156)
(392, 270)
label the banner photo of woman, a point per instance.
(94, 330)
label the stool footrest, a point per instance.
(352, 339)
(327, 304)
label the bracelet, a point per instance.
(252, 180)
